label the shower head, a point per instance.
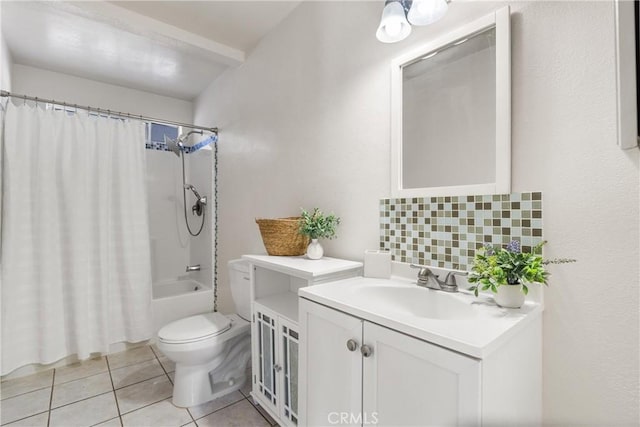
(184, 136)
(175, 145)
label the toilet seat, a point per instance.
(195, 328)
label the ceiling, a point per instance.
(239, 24)
(172, 48)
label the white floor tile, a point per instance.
(80, 370)
(142, 394)
(25, 405)
(114, 422)
(167, 364)
(130, 357)
(39, 420)
(82, 388)
(264, 413)
(135, 373)
(241, 414)
(212, 406)
(14, 387)
(246, 388)
(85, 412)
(159, 414)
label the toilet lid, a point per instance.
(194, 328)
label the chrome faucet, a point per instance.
(427, 279)
(195, 267)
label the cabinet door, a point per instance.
(330, 374)
(410, 382)
(266, 348)
(289, 370)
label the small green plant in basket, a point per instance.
(497, 266)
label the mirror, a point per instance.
(451, 113)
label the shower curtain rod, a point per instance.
(4, 94)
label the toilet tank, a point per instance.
(240, 287)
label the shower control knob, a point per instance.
(352, 345)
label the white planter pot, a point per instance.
(314, 250)
(510, 296)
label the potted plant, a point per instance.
(507, 271)
(316, 225)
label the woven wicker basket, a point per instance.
(281, 237)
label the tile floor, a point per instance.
(132, 388)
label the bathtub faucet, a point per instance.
(195, 267)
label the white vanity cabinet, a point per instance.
(275, 332)
(355, 372)
(388, 353)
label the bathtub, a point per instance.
(176, 299)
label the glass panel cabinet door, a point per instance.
(289, 339)
(267, 341)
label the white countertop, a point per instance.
(301, 266)
(485, 328)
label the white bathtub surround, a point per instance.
(177, 299)
(75, 243)
(172, 248)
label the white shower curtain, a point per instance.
(76, 274)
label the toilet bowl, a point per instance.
(211, 350)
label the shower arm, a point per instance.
(195, 193)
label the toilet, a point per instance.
(211, 350)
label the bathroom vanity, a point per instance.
(387, 352)
(275, 282)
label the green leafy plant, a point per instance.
(494, 267)
(316, 225)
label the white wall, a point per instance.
(64, 87)
(5, 65)
(305, 122)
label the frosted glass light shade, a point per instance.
(393, 24)
(425, 12)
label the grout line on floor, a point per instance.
(255, 406)
(26, 392)
(92, 425)
(148, 404)
(138, 382)
(113, 390)
(53, 384)
(80, 400)
(217, 410)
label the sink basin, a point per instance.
(417, 301)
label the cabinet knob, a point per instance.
(366, 351)
(352, 345)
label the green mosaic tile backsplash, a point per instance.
(446, 231)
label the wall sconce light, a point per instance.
(399, 15)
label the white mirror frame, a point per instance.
(626, 75)
(501, 20)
